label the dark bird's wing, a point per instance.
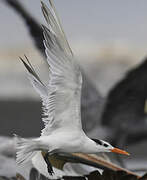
(33, 26)
(125, 109)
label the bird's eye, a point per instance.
(106, 145)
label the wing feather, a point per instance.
(53, 20)
(34, 78)
(65, 76)
(62, 98)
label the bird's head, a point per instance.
(104, 146)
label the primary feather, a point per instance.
(65, 82)
(61, 97)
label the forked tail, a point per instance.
(26, 149)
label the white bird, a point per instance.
(61, 100)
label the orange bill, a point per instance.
(119, 151)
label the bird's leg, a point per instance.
(49, 165)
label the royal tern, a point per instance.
(61, 99)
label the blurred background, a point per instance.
(108, 38)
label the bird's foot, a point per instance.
(50, 170)
(49, 165)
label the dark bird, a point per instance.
(125, 109)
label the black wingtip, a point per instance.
(26, 65)
(22, 60)
(44, 8)
(29, 63)
(51, 3)
(42, 4)
(30, 68)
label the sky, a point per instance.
(86, 23)
(93, 27)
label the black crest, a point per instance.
(98, 141)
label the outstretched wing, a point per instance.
(62, 96)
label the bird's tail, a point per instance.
(26, 149)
